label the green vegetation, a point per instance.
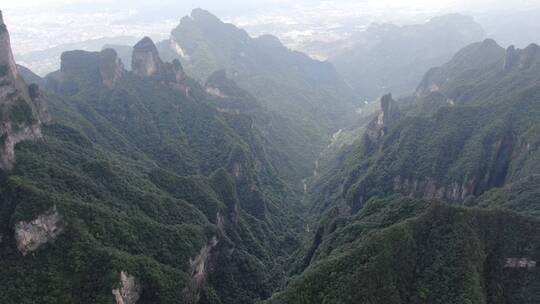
(443, 254)
(307, 99)
(145, 176)
(196, 190)
(472, 141)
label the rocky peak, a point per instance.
(21, 110)
(389, 111)
(145, 60)
(92, 68)
(7, 63)
(387, 116)
(79, 64)
(475, 56)
(521, 58)
(510, 58)
(204, 16)
(110, 66)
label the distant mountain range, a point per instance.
(388, 58)
(219, 168)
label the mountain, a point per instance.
(291, 160)
(389, 58)
(222, 168)
(142, 189)
(461, 138)
(22, 107)
(396, 218)
(304, 90)
(400, 250)
(306, 99)
(124, 52)
(45, 61)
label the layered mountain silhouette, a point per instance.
(143, 190)
(389, 228)
(390, 58)
(208, 168)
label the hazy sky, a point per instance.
(40, 24)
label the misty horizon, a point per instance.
(63, 22)
(270, 152)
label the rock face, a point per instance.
(470, 60)
(110, 67)
(6, 56)
(429, 188)
(22, 108)
(32, 235)
(145, 61)
(94, 68)
(129, 291)
(521, 58)
(389, 111)
(199, 270)
(388, 114)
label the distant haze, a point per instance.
(42, 24)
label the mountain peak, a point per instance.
(389, 110)
(110, 67)
(145, 44)
(490, 42)
(203, 15)
(270, 41)
(1, 18)
(91, 68)
(521, 58)
(145, 59)
(23, 108)
(7, 63)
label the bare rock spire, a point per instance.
(145, 59)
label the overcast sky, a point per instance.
(40, 24)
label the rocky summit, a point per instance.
(22, 108)
(145, 61)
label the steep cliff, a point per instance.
(22, 108)
(145, 58)
(468, 129)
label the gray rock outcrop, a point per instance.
(145, 60)
(111, 67)
(387, 116)
(129, 291)
(32, 235)
(521, 58)
(91, 68)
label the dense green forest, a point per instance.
(197, 176)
